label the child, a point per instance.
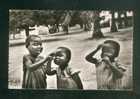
(66, 78)
(34, 70)
(108, 72)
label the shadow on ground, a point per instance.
(105, 37)
(54, 39)
(71, 33)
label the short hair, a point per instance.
(68, 52)
(115, 45)
(29, 39)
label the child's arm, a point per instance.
(118, 72)
(77, 79)
(49, 70)
(90, 57)
(33, 66)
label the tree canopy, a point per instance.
(23, 19)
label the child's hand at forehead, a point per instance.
(52, 54)
(100, 46)
(107, 45)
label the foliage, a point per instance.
(26, 18)
(20, 19)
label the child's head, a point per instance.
(34, 45)
(111, 49)
(62, 56)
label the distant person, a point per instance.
(109, 73)
(34, 70)
(66, 77)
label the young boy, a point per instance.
(34, 70)
(66, 78)
(108, 72)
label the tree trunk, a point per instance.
(66, 22)
(65, 29)
(125, 19)
(97, 28)
(113, 23)
(14, 36)
(27, 31)
(81, 25)
(120, 25)
(85, 27)
(57, 26)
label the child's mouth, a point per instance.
(56, 59)
(38, 51)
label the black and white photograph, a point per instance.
(70, 49)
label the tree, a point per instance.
(57, 14)
(87, 18)
(66, 21)
(122, 20)
(21, 19)
(125, 19)
(97, 27)
(12, 24)
(49, 17)
(76, 19)
(113, 22)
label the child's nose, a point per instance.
(56, 56)
(39, 46)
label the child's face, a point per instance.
(35, 46)
(108, 50)
(60, 57)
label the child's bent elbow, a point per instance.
(88, 58)
(91, 59)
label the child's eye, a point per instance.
(36, 44)
(59, 54)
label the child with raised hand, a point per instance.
(34, 70)
(66, 78)
(108, 72)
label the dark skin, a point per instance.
(34, 48)
(90, 57)
(60, 59)
(107, 57)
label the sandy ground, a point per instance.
(80, 45)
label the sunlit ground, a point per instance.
(80, 45)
